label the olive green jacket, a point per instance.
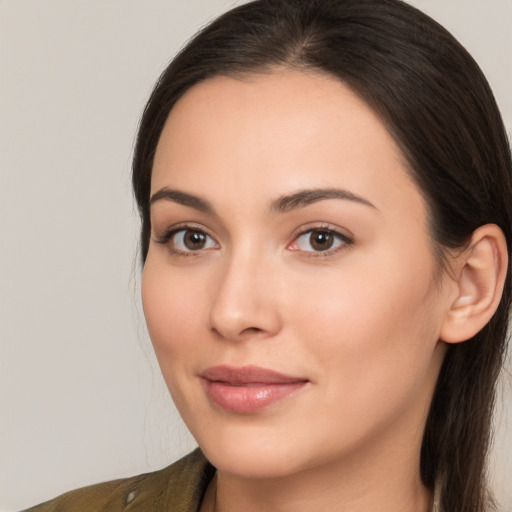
(177, 488)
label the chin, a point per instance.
(252, 462)
(257, 450)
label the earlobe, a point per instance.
(480, 278)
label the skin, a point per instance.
(360, 322)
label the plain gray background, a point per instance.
(81, 399)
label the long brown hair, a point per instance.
(438, 106)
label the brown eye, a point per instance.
(187, 240)
(321, 240)
(194, 240)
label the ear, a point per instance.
(480, 273)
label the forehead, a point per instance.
(272, 133)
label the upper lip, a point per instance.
(247, 375)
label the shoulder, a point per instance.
(178, 487)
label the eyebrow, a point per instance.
(177, 196)
(283, 204)
(306, 197)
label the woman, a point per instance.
(324, 189)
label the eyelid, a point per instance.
(171, 231)
(340, 234)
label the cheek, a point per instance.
(371, 328)
(172, 312)
(172, 308)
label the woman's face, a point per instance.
(290, 288)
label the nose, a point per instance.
(245, 304)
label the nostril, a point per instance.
(252, 330)
(236, 334)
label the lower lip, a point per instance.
(249, 398)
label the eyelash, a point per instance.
(168, 235)
(344, 240)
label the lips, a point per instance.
(248, 389)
